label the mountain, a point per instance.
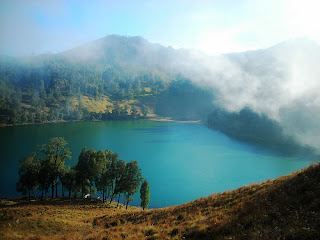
(126, 51)
(115, 49)
(264, 61)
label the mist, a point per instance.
(281, 82)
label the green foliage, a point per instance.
(69, 181)
(132, 180)
(145, 194)
(44, 176)
(82, 173)
(28, 174)
(104, 180)
(120, 179)
(56, 153)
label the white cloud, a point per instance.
(303, 18)
(261, 24)
(215, 42)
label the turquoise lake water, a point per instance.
(181, 161)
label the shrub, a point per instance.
(150, 232)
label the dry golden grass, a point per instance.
(147, 89)
(284, 208)
(53, 219)
(101, 105)
(23, 105)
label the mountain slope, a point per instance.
(284, 208)
(120, 50)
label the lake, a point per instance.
(181, 161)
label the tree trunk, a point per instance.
(62, 190)
(127, 204)
(118, 200)
(29, 194)
(42, 194)
(90, 191)
(56, 189)
(52, 187)
(103, 195)
(82, 189)
(112, 192)
(70, 193)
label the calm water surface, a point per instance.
(182, 161)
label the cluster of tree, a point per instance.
(95, 171)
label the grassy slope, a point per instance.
(284, 208)
(54, 219)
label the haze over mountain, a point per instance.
(280, 82)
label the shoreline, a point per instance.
(155, 119)
(25, 124)
(167, 119)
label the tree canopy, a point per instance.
(28, 174)
(145, 194)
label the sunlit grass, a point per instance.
(53, 219)
(147, 89)
(100, 105)
(104, 104)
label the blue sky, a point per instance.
(214, 27)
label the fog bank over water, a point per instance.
(281, 82)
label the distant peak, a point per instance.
(117, 36)
(299, 41)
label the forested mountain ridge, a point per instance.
(112, 78)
